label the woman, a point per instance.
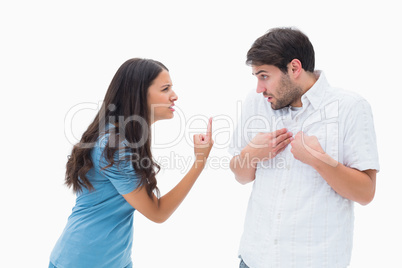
(108, 172)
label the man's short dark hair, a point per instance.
(279, 46)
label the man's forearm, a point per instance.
(243, 168)
(355, 185)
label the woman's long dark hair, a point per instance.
(125, 105)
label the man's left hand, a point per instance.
(308, 150)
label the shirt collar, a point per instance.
(316, 93)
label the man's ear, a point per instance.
(295, 68)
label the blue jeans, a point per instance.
(52, 266)
(243, 265)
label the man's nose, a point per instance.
(260, 88)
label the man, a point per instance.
(310, 150)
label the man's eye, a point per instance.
(264, 76)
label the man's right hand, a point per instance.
(262, 147)
(265, 146)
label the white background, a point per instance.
(57, 54)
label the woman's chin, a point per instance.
(166, 117)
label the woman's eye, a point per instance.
(165, 89)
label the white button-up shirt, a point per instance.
(294, 218)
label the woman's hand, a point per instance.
(203, 143)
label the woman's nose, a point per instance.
(174, 97)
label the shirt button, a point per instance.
(276, 242)
(284, 190)
(279, 216)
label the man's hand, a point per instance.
(265, 146)
(308, 150)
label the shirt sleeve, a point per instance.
(121, 174)
(360, 145)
